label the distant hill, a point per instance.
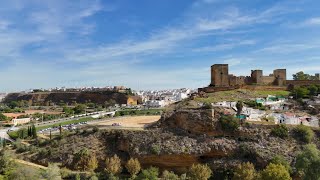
(44, 98)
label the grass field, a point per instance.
(129, 121)
(241, 94)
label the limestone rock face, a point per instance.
(191, 121)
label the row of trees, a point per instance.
(24, 133)
(305, 91)
(302, 76)
(84, 160)
(306, 167)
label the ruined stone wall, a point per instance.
(241, 80)
(267, 80)
(280, 76)
(232, 80)
(257, 76)
(220, 75)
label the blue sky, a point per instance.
(152, 44)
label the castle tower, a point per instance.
(220, 75)
(257, 76)
(280, 77)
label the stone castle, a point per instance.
(220, 77)
(221, 80)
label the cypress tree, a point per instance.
(60, 130)
(34, 131)
(22, 134)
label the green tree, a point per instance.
(200, 172)
(301, 76)
(278, 159)
(3, 117)
(13, 104)
(304, 133)
(300, 92)
(68, 111)
(151, 173)
(80, 108)
(85, 160)
(313, 90)
(6, 164)
(229, 123)
(34, 131)
(133, 166)
(113, 165)
(280, 131)
(169, 175)
(308, 162)
(239, 107)
(245, 171)
(52, 172)
(275, 172)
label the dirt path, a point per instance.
(30, 164)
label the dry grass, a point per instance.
(241, 94)
(129, 121)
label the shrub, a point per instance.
(5, 162)
(229, 123)
(169, 175)
(52, 173)
(304, 133)
(308, 162)
(207, 105)
(113, 165)
(278, 159)
(275, 172)
(133, 166)
(200, 172)
(155, 149)
(85, 160)
(95, 129)
(245, 171)
(280, 131)
(151, 173)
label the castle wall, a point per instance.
(232, 80)
(280, 76)
(257, 76)
(267, 80)
(220, 75)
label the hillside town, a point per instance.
(162, 98)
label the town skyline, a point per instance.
(96, 43)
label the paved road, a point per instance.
(4, 135)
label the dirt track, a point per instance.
(129, 121)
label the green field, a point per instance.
(240, 94)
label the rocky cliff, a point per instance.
(181, 138)
(43, 98)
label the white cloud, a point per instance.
(313, 21)
(225, 46)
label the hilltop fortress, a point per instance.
(221, 80)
